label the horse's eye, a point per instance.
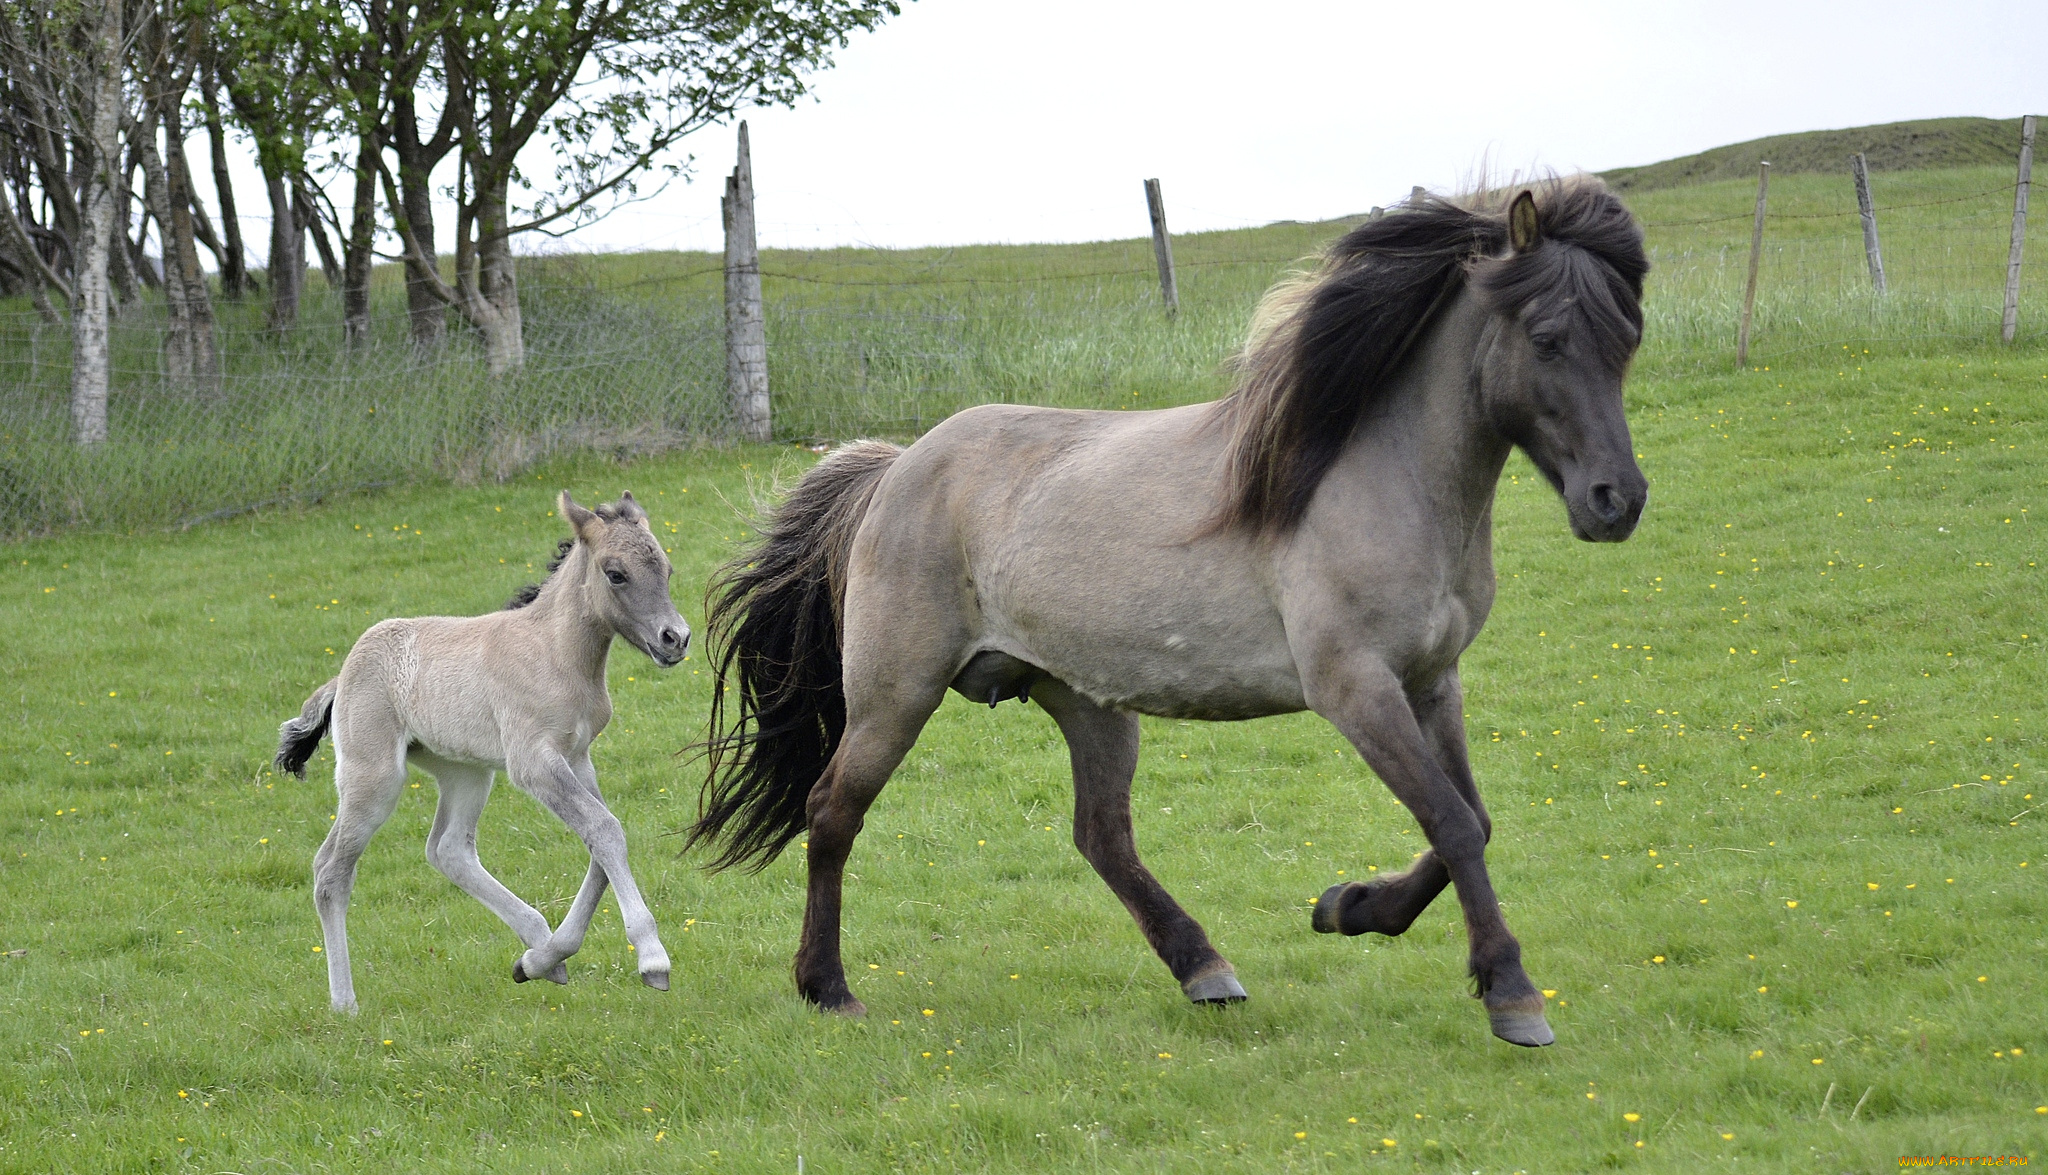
(1546, 346)
(618, 578)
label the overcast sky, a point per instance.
(967, 121)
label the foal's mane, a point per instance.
(1324, 343)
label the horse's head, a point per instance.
(1567, 317)
(626, 577)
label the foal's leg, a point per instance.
(570, 792)
(1366, 702)
(1103, 744)
(368, 780)
(451, 848)
(1390, 904)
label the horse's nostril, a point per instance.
(1607, 502)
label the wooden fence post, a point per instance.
(1869, 211)
(746, 333)
(2019, 230)
(1162, 247)
(1756, 253)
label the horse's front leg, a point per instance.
(1389, 904)
(570, 792)
(1366, 702)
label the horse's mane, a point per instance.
(1324, 343)
(531, 592)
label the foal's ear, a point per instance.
(1523, 232)
(582, 521)
(629, 509)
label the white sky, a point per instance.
(967, 121)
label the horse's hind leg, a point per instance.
(1390, 904)
(836, 810)
(1103, 744)
(368, 779)
(451, 848)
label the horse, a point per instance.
(1319, 539)
(521, 691)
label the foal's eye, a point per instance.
(618, 578)
(1546, 346)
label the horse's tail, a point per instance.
(298, 736)
(772, 615)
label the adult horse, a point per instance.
(1320, 539)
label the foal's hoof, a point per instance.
(1528, 1029)
(559, 973)
(1353, 907)
(658, 980)
(1215, 987)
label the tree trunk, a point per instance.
(308, 214)
(234, 264)
(497, 285)
(287, 255)
(357, 255)
(199, 323)
(177, 341)
(91, 366)
(416, 160)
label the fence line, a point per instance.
(626, 351)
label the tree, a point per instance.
(63, 66)
(613, 84)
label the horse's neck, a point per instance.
(1432, 418)
(580, 639)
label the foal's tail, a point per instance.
(773, 619)
(298, 736)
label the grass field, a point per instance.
(1767, 782)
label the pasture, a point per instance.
(1766, 779)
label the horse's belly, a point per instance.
(1185, 666)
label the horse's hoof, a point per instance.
(1528, 1029)
(1215, 989)
(519, 974)
(850, 1007)
(1352, 908)
(658, 980)
(1324, 917)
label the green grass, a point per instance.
(1816, 667)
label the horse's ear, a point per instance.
(582, 521)
(629, 509)
(1523, 231)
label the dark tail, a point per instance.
(298, 736)
(773, 620)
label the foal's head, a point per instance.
(1567, 303)
(625, 577)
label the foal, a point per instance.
(520, 691)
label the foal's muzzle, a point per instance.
(670, 645)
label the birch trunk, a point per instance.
(494, 300)
(91, 367)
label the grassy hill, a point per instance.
(1892, 146)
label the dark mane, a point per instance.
(531, 592)
(1324, 344)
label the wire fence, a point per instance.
(625, 352)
